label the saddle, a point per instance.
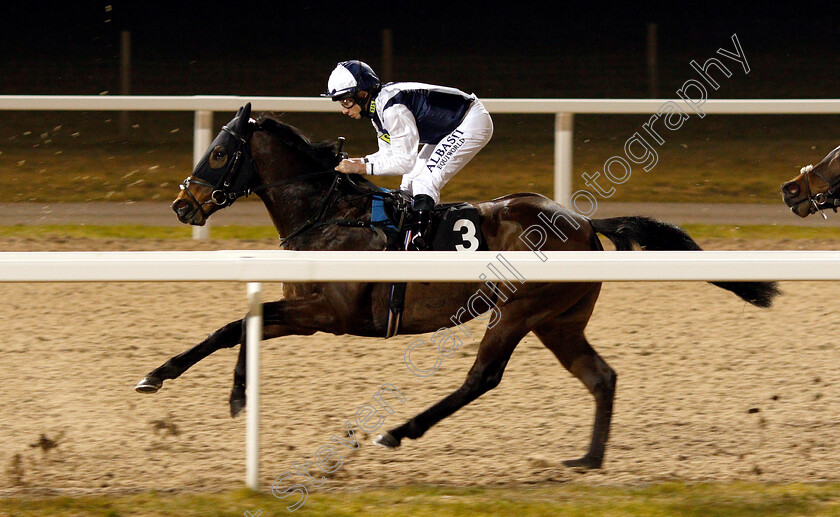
(454, 227)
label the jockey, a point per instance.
(426, 133)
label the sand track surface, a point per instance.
(709, 388)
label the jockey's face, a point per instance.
(353, 107)
(354, 112)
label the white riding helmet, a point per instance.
(349, 78)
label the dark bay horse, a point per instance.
(815, 188)
(307, 202)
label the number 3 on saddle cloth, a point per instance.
(454, 227)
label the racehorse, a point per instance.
(815, 188)
(315, 208)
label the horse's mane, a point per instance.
(324, 154)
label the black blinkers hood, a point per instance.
(238, 170)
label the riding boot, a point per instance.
(420, 223)
(418, 238)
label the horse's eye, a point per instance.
(218, 155)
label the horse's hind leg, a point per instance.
(226, 337)
(568, 343)
(486, 373)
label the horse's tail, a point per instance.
(650, 234)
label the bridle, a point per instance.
(821, 200)
(221, 195)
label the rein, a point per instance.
(222, 196)
(334, 194)
(322, 212)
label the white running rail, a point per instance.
(318, 266)
(563, 109)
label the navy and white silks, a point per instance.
(426, 133)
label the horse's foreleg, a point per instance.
(226, 337)
(282, 318)
(574, 352)
(237, 393)
(486, 373)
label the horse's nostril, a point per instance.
(180, 206)
(791, 188)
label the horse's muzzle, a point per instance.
(796, 199)
(187, 213)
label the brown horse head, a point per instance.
(265, 157)
(225, 172)
(815, 188)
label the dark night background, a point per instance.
(510, 50)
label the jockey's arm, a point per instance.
(352, 166)
(398, 157)
(394, 158)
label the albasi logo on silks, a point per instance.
(445, 149)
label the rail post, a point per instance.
(563, 130)
(202, 137)
(254, 331)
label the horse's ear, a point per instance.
(246, 112)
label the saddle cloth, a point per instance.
(454, 227)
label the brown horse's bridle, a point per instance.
(220, 195)
(821, 200)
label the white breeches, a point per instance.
(438, 163)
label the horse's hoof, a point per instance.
(587, 462)
(149, 384)
(386, 440)
(236, 407)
